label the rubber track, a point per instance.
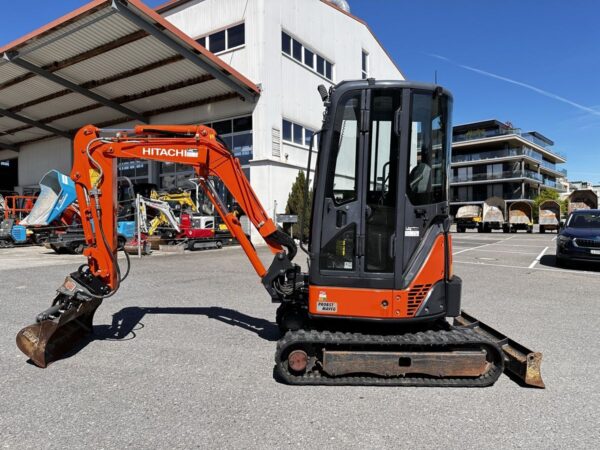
(425, 341)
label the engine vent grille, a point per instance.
(415, 298)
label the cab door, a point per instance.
(358, 229)
(425, 206)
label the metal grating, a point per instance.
(416, 295)
(276, 142)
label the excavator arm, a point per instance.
(95, 175)
(94, 172)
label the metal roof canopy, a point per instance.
(108, 62)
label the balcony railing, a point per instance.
(482, 134)
(505, 196)
(507, 174)
(553, 184)
(493, 154)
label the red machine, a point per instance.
(18, 206)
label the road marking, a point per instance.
(571, 272)
(479, 246)
(554, 238)
(507, 251)
(516, 245)
(537, 260)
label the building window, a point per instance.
(296, 134)
(365, 65)
(236, 36)
(306, 56)
(228, 39)
(135, 170)
(237, 134)
(286, 44)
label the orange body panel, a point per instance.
(380, 303)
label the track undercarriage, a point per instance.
(467, 354)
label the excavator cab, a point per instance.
(380, 201)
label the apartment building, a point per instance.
(492, 158)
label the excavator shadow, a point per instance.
(128, 321)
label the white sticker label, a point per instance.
(411, 232)
(327, 306)
(348, 265)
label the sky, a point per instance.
(533, 63)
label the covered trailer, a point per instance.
(583, 199)
(549, 216)
(520, 217)
(494, 209)
(468, 216)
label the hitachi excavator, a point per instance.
(373, 307)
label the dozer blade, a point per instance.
(57, 331)
(519, 360)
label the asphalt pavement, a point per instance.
(183, 358)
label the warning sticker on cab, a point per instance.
(327, 307)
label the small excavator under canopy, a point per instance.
(372, 308)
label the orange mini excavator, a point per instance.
(373, 307)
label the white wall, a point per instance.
(39, 157)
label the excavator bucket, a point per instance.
(519, 361)
(57, 331)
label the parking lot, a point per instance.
(182, 357)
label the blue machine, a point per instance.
(126, 229)
(57, 193)
(19, 234)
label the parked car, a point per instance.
(579, 238)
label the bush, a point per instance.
(295, 205)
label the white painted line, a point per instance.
(516, 245)
(554, 238)
(537, 260)
(479, 246)
(506, 251)
(571, 272)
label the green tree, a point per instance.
(548, 194)
(295, 205)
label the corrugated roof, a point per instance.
(105, 63)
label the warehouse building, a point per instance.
(248, 68)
